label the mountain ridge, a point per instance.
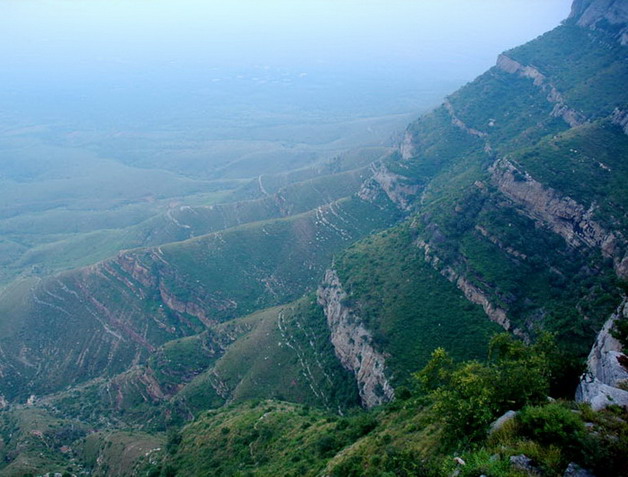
(502, 209)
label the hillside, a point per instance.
(47, 232)
(343, 320)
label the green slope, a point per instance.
(517, 213)
(105, 317)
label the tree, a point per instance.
(467, 396)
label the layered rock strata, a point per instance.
(353, 343)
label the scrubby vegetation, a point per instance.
(445, 413)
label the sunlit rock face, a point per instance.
(602, 14)
(606, 371)
(353, 343)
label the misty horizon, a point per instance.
(65, 59)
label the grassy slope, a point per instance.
(287, 355)
(242, 267)
(32, 442)
(527, 269)
(67, 236)
(118, 453)
(411, 307)
(250, 357)
(277, 438)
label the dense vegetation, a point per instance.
(409, 306)
(447, 409)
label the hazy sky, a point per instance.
(91, 47)
(83, 34)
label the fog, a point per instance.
(112, 113)
(104, 60)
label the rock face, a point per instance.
(407, 148)
(471, 292)
(599, 385)
(561, 109)
(620, 118)
(353, 343)
(561, 214)
(456, 121)
(602, 14)
(396, 187)
(574, 470)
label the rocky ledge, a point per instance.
(353, 343)
(609, 15)
(606, 375)
(563, 215)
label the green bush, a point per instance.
(466, 397)
(553, 424)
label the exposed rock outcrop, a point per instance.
(620, 118)
(608, 15)
(501, 421)
(456, 121)
(407, 149)
(395, 186)
(561, 109)
(191, 308)
(139, 383)
(130, 264)
(574, 470)
(523, 463)
(353, 343)
(561, 214)
(599, 386)
(472, 293)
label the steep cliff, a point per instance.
(503, 209)
(606, 378)
(518, 199)
(609, 15)
(562, 214)
(353, 343)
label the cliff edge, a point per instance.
(608, 15)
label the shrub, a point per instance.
(553, 424)
(327, 445)
(467, 397)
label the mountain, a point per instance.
(345, 320)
